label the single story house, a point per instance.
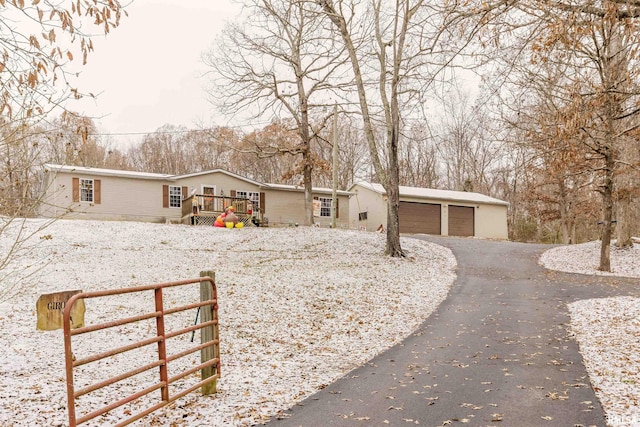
(429, 211)
(108, 194)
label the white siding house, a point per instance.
(108, 194)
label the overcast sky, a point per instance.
(147, 72)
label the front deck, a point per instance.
(203, 209)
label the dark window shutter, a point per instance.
(233, 193)
(165, 196)
(96, 191)
(75, 191)
(263, 206)
(337, 206)
(185, 192)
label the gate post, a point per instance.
(162, 345)
(208, 333)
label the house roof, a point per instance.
(231, 174)
(106, 172)
(318, 190)
(431, 193)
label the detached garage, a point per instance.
(429, 211)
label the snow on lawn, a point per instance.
(607, 329)
(584, 258)
(299, 307)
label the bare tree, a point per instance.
(212, 148)
(72, 139)
(162, 151)
(418, 162)
(176, 149)
(390, 72)
(396, 50)
(25, 148)
(280, 63)
(466, 151)
(36, 42)
(20, 150)
(512, 179)
(353, 154)
(270, 155)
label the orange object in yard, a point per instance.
(219, 222)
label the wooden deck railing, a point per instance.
(202, 209)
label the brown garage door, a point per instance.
(419, 218)
(461, 221)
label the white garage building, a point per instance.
(429, 211)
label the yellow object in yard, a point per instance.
(240, 225)
(229, 224)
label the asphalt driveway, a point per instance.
(497, 352)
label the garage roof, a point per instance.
(430, 193)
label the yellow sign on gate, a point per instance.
(50, 309)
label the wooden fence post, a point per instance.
(208, 333)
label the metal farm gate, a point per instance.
(209, 348)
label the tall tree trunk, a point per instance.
(615, 76)
(564, 231)
(308, 190)
(388, 176)
(393, 225)
(307, 169)
(393, 203)
(607, 210)
(393, 192)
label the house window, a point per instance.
(325, 207)
(175, 196)
(252, 196)
(86, 190)
(362, 216)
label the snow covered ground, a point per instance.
(584, 258)
(299, 307)
(607, 329)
